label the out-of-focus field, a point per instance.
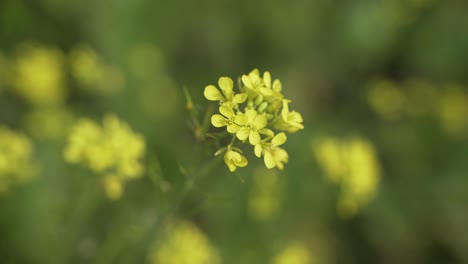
(100, 160)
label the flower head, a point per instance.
(234, 159)
(273, 155)
(111, 149)
(229, 119)
(290, 121)
(256, 114)
(226, 95)
(255, 123)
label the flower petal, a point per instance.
(233, 128)
(259, 122)
(258, 150)
(212, 93)
(269, 161)
(218, 120)
(251, 114)
(267, 79)
(278, 139)
(265, 91)
(242, 162)
(277, 87)
(247, 82)
(241, 119)
(226, 84)
(226, 111)
(254, 137)
(243, 133)
(239, 98)
(285, 110)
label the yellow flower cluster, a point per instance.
(112, 150)
(16, 162)
(184, 243)
(37, 75)
(255, 115)
(294, 252)
(354, 166)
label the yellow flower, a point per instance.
(273, 155)
(234, 159)
(111, 148)
(290, 121)
(228, 118)
(293, 253)
(226, 84)
(184, 243)
(354, 166)
(255, 123)
(16, 161)
(259, 85)
(37, 75)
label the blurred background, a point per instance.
(378, 175)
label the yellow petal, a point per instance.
(251, 114)
(265, 91)
(269, 161)
(258, 150)
(278, 139)
(285, 110)
(242, 162)
(218, 120)
(226, 111)
(243, 133)
(246, 81)
(254, 137)
(212, 93)
(241, 119)
(259, 122)
(233, 128)
(277, 87)
(226, 84)
(239, 98)
(267, 79)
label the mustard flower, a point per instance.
(184, 243)
(273, 156)
(255, 123)
(229, 119)
(16, 158)
(256, 115)
(255, 83)
(290, 121)
(111, 150)
(227, 93)
(37, 75)
(234, 159)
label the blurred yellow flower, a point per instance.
(110, 148)
(16, 162)
(264, 201)
(293, 253)
(354, 166)
(452, 111)
(92, 73)
(184, 243)
(386, 99)
(37, 74)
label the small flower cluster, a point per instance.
(254, 115)
(352, 164)
(113, 150)
(16, 161)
